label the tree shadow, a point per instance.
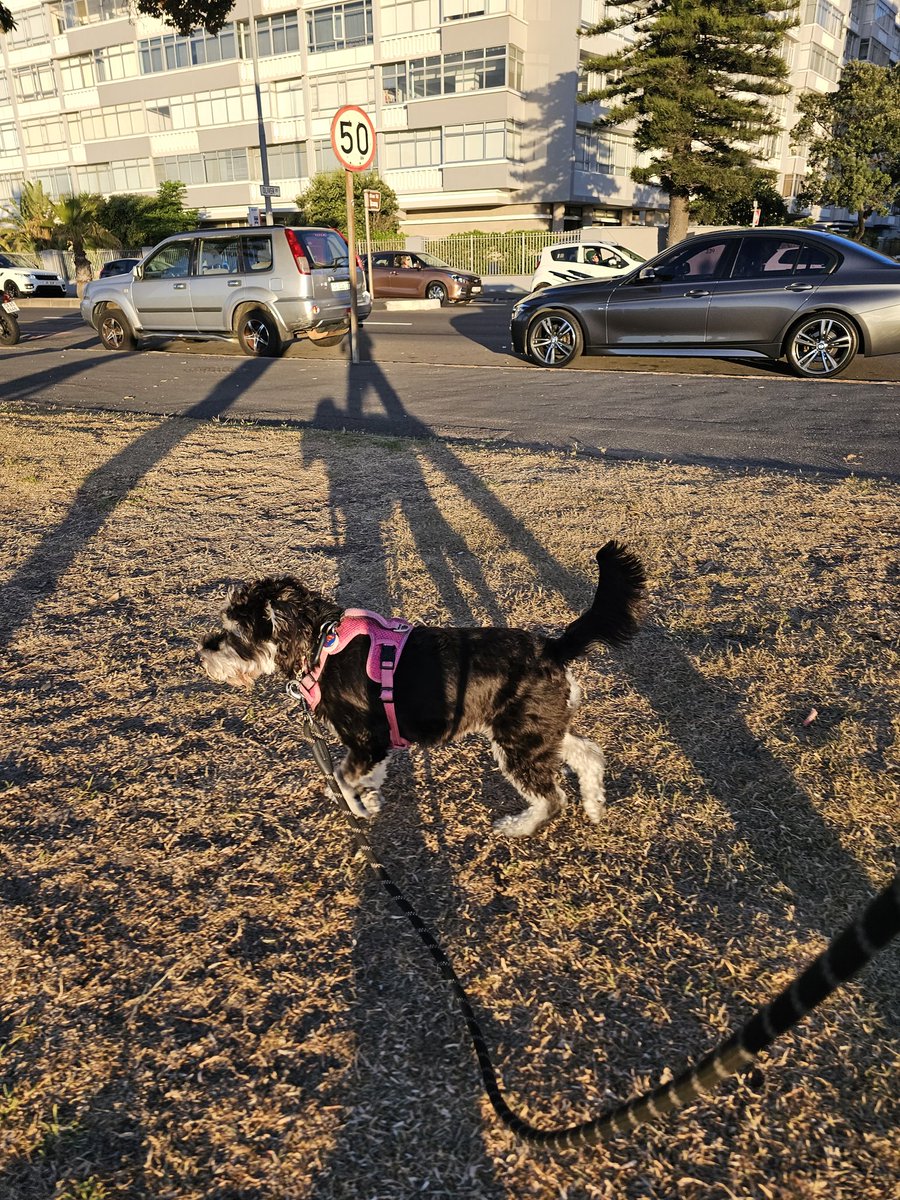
(103, 490)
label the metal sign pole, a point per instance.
(351, 265)
(369, 253)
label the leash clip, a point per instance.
(292, 687)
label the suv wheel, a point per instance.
(823, 345)
(115, 331)
(12, 289)
(436, 291)
(258, 334)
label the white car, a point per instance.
(574, 262)
(20, 277)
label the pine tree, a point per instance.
(854, 142)
(697, 81)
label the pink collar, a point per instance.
(387, 636)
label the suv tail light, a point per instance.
(298, 252)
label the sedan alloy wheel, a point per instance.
(554, 339)
(822, 345)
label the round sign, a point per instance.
(353, 138)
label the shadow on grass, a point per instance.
(103, 491)
(789, 840)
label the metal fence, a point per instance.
(497, 253)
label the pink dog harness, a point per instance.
(387, 636)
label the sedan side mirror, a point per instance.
(138, 272)
(648, 274)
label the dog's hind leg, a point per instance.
(360, 777)
(586, 759)
(536, 779)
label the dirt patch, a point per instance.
(205, 995)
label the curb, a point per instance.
(48, 301)
(409, 305)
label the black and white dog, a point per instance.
(511, 685)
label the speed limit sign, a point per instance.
(353, 138)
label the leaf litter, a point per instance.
(207, 996)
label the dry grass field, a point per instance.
(204, 994)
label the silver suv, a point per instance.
(262, 286)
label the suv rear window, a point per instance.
(323, 247)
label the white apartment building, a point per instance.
(474, 101)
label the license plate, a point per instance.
(340, 285)
(10, 307)
(477, 288)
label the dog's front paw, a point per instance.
(371, 801)
(520, 825)
(594, 808)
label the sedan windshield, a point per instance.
(429, 260)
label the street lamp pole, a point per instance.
(263, 151)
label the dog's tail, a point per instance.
(613, 617)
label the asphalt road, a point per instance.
(449, 372)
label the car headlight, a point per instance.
(459, 278)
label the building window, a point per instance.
(824, 64)
(824, 13)
(30, 30)
(339, 27)
(95, 125)
(286, 98)
(126, 175)
(482, 140)
(459, 10)
(411, 148)
(77, 72)
(71, 14)
(4, 88)
(115, 62)
(325, 157)
(173, 52)
(409, 16)
(214, 166)
(9, 138)
(287, 160)
(330, 92)
(202, 110)
(601, 152)
(46, 134)
(56, 181)
(275, 35)
(35, 82)
(450, 74)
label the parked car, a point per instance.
(263, 286)
(118, 266)
(399, 274)
(20, 276)
(815, 298)
(574, 261)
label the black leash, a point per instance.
(846, 955)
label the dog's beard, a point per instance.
(224, 662)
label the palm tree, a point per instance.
(78, 226)
(28, 224)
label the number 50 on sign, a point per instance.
(353, 138)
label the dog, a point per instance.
(512, 685)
